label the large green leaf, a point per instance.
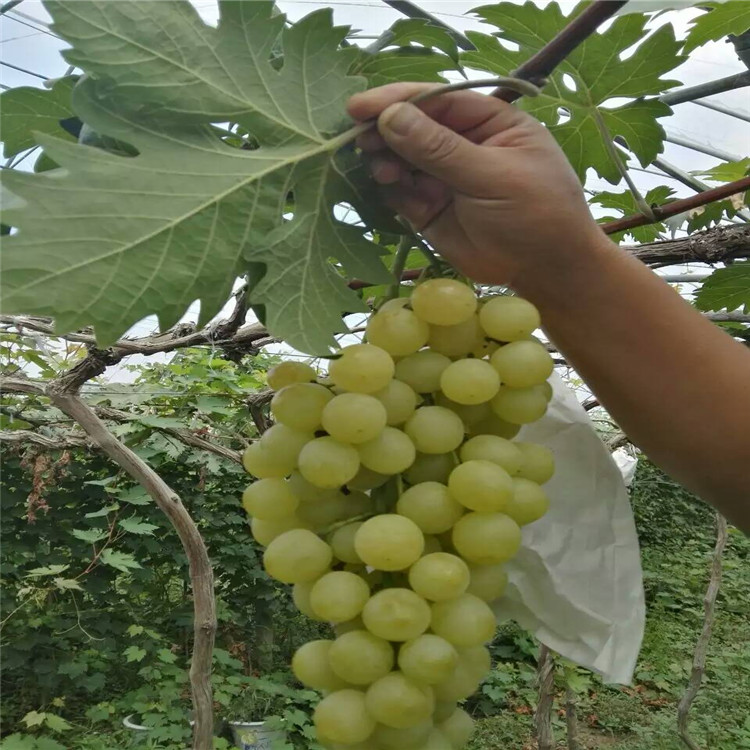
(407, 64)
(726, 18)
(26, 110)
(600, 73)
(625, 203)
(726, 289)
(115, 238)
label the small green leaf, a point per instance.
(723, 19)
(34, 718)
(134, 653)
(134, 630)
(726, 289)
(50, 570)
(103, 511)
(417, 30)
(91, 536)
(26, 110)
(56, 723)
(122, 561)
(728, 171)
(166, 656)
(67, 584)
(134, 496)
(135, 525)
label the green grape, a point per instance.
(522, 364)
(428, 659)
(493, 425)
(430, 467)
(346, 627)
(464, 621)
(339, 596)
(310, 666)
(436, 741)
(264, 463)
(297, 556)
(389, 542)
(301, 599)
(400, 402)
(354, 418)
(430, 506)
(443, 302)
(520, 405)
(435, 429)
(309, 493)
(390, 738)
(327, 463)
(456, 341)
(470, 414)
(360, 657)
(486, 538)
(509, 318)
(300, 406)
(488, 582)
(396, 614)
(548, 391)
(287, 373)
(397, 701)
(389, 453)
(396, 329)
(529, 502)
(320, 514)
(362, 368)
(367, 479)
(439, 576)
(481, 485)
(443, 709)
(470, 381)
(264, 532)
(538, 464)
(458, 728)
(459, 686)
(477, 660)
(485, 348)
(495, 449)
(421, 371)
(431, 544)
(342, 543)
(343, 717)
(269, 499)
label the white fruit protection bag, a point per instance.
(577, 583)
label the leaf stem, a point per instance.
(614, 154)
(399, 261)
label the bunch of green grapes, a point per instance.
(390, 495)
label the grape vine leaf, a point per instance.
(728, 171)
(26, 110)
(626, 205)
(600, 72)
(726, 289)
(406, 64)
(723, 19)
(122, 561)
(110, 239)
(136, 525)
(409, 30)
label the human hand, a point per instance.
(483, 181)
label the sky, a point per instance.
(26, 42)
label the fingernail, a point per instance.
(402, 117)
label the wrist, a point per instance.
(567, 275)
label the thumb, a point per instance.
(432, 147)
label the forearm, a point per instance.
(677, 385)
